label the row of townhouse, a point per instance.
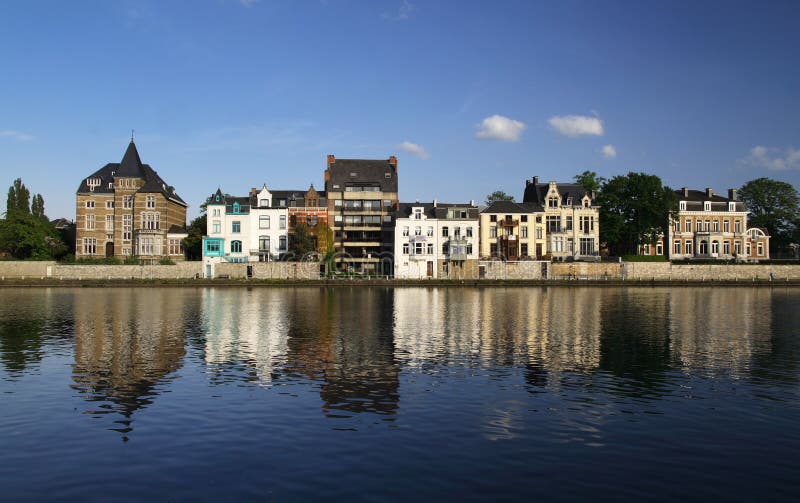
(126, 210)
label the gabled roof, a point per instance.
(512, 207)
(439, 210)
(536, 192)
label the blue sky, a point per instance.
(471, 96)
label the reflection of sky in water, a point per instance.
(518, 380)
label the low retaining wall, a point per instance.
(528, 269)
(665, 271)
(21, 270)
(269, 270)
(585, 270)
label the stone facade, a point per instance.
(126, 210)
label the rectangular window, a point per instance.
(90, 222)
(337, 203)
(699, 226)
(493, 231)
(263, 244)
(444, 249)
(726, 247)
(151, 202)
(127, 227)
(282, 242)
(430, 248)
(677, 248)
(760, 248)
(569, 223)
(430, 231)
(539, 233)
(151, 221)
(89, 246)
(418, 250)
(236, 227)
(469, 232)
(524, 231)
(216, 227)
(418, 231)
(110, 223)
(738, 226)
(726, 225)
(659, 249)
(688, 226)
(405, 231)
(90, 204)
(445, 232)
(553, 223)
(387, 203)
(109, 205)
(524, 249)
(405, 248)
(175, 247)
(457, 232)
(493, 218)
(127, 202)
(469, 248)
(282, 222)
(523, 218)
(263, 222)
(688, 247)
(716, 225)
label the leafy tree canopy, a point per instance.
(19, 197)
(193, 243)
(498, 195)
(634, 209)
(773, 205)
(301, 242)
(590, 181)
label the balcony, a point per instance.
(508, 222)
(457, 250)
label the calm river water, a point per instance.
(276, 394)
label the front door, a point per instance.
(109, 249)
(430, 269)
(208, 270)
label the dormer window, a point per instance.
(683, 205)
(236, 207)
(552, 202)
(706, 206)
(216, 198)
(586, 203)
(264, 203)
(387, 175)
(731, 206)
(569, 201)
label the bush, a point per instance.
(644, 258)
(166, 261)
(131, 260)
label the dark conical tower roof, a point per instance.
(131, 165)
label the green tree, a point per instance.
(301, 242)
(773, 205)
(37, 206)
(24, 236)
(498, 195)
(193, 243)
(19, 197)
(590, 181)
(634, 209)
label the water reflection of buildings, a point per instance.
(245, 329)
(126, 342)
(719, 329)
(343, 338)
(546, 330)
(338, 339)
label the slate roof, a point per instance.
(130, 167)
(512, 207)
(367, 171)
(699, 195)
(298, 196)
(695, 199)
(439, 211)
(536, 192)
(178, 229)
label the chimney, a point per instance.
(527, 182)
(472, 202)
(709, 192)
(685, 191)
(536, 180)
(732, 195)
(331, 159)
(393, 162)
(434, 203)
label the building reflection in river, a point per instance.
(126, 342)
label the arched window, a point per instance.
(236, 247)
(715, 247)
(703, 247)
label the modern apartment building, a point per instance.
(125, 210)
(362, 199)
(436, 240)
(570, 216)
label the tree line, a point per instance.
(26, 232)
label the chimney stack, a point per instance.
(685, 191)
(709, 192)
(536, 180)
(732, 195)
(434, 203)
(393, 160)
(331, 159)
(472, 202)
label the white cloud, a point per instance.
(773, 158)
(403, 13)
(500, 128)
(413, 148)
(15, 135)
(609, 151)
(576, 125)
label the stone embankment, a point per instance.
(538, 272)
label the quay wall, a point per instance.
(489, 270)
